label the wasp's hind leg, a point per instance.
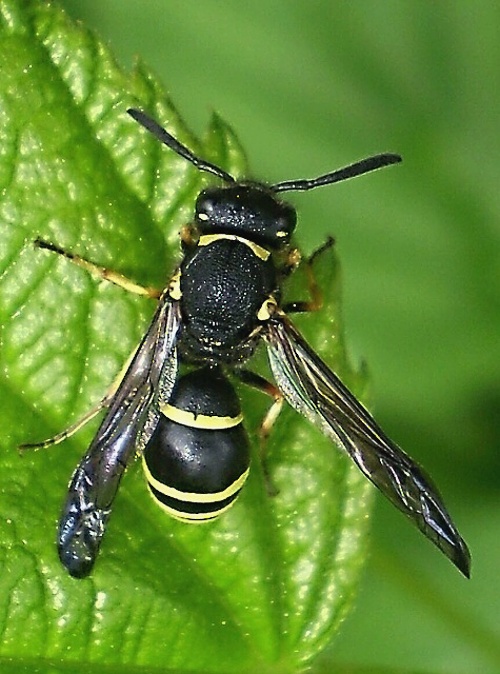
(99, 271)
(260, 383)
(88, 416)
(316, 296)
(71, 430)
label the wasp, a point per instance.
(222, 301)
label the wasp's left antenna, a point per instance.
(171, 142)
(351, 171)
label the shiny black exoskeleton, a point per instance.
(198, 457)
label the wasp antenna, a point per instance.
(351, 171)
(171, 142)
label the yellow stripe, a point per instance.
(268, 307)
(174, 287)
(190, 518)
(193, 497)
(203, 421)
(257, 250)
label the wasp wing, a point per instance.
(315, 391)
(129, 423)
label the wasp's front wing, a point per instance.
(317, 393)
(126, 428)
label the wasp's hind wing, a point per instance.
(129, 422)
(317, 393)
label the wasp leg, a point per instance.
(88, 416)
(290, 262)
(316, 301)
(256, 381)
(189, 236)
(101, 272)
(71, 430)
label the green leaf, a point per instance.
(266, 586)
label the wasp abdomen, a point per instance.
(198, 458)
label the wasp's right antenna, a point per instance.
(171, 142)
(351, 171)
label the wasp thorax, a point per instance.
(251, 211)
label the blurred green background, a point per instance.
(310, 86)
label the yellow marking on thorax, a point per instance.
(203, 421)
(267, 309)
(174, 287)
(257, 250)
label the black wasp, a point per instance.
(223, 299)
